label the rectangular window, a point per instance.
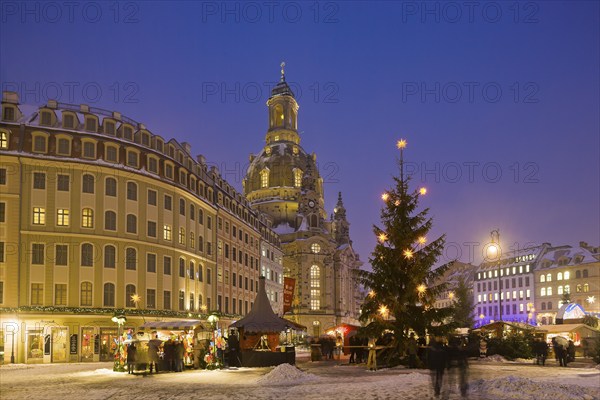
(37, 253)
(2, 176)
(167, 299)
(152, 229)
(111, 154)
(1, 252)
(181, 300)
(60, 294)
(109, 128)
(168, 202)
(39, 144)
(9, 114)
(90, 124)
(151, 262)
(63, 183)
(169, 171)
(39, 216)
(64, 147)
(1, 293)
(68, 121)
(2, 212)
(208, 276)
(132, 159)
(150, 298)
(151, 197)
(167, 232)
(153, 165)
(167, 265)
(61, 256)
(89, 150)
(62, 217)
(37, 294)
(39, 180)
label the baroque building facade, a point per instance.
(283, 181)
(98, 215)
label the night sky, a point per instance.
(499, 103)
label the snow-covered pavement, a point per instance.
(487, 380)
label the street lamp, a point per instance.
(213, 320)
(119, 319)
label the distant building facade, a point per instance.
(457, 271)
(283, 182)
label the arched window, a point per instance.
(543, 305)
(278, 115)
(131, 223)
(129, 293)
(110, 187)
(86, 294)
(200, 216)
(567, 288)
(548, 277)
(315, 287)
(578, 288)
(199, 301)
(264, 178)
(200, 244)
(586, 287)
(297, 177)
(585, 273)
(549, 305)
(131, 191)
(110, 255)
(131, 258)
(542, 278)
(567, 275)
(88, 184)
(192, 303)
(559, 276)
(109, 295)
(314, 221)
(549, 291)
(577, 274)
(87, 255)
(543, 291)
(87, 218)
(559, 290)
(192, 270)
(110, 220)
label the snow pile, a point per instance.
(495, 358)
(597, 366)
(525, 360)
(512, 387)
(286, 374)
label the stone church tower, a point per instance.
(283, 182)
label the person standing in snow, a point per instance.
(131, 353)
(372, 360)
(437, 359)
(411, 350)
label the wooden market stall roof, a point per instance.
(262, 318)
(569, 328)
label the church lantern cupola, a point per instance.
(283, 113)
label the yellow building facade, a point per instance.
(98, 215)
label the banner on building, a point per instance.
(288, 293)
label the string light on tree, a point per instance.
(382, 237)
(385, 197)
(423, 191)
(372, 294)
(397, 203)
(383, 310)
(421, 289)
(422, 240)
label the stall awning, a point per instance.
(183, 325)
(569, 328)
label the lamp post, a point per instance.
(494, 252)
(119, 319)
(12, 348)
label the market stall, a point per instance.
(189, 333)
(343, 331)
(259, 334)
(580, 334)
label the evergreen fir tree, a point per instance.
(401, 284)
(463, 307)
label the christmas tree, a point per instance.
(402, 284)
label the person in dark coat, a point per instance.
(437, 359)
(179, 350)
(153, 349)
(560, 352)
(571, 351)
(458, 364)
(352, 343)
(411, 350)
(169, 349)
(131, 355)
(233, 344)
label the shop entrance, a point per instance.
(59, 344)
(87, 344)
(108, 344)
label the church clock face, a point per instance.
(311, 204)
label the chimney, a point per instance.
(201, 159)
(10, 97)
(52, 104)
(187, 147)
(116, 115)
(84, 108)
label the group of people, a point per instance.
(358, 349)
(563, 352)
(451, 357)
(173, 351)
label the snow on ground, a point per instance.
(328, 379)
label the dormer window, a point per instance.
(109, 128)
(46, 118)
(8, 113)
(128, 133)
(91, 124)
(68, 121)
(145, 139)
(159, 145)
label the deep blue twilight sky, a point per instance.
(499, 102)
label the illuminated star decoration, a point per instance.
(422, 240)
(408, 253)
(423, 191)
(591, 299)
(372, 293)
(397, 203)
(385, 197)
(451, 295)
(136, 298)
(382, 237)
(383, 310)
(401, 144)
(421, 289)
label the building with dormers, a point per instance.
(99, 215)
(283, 181)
